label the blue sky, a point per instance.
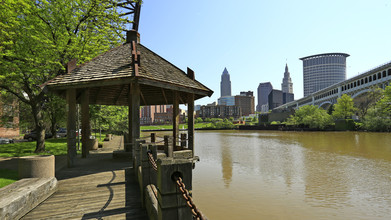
(255, 38)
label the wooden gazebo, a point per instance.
(131, 75)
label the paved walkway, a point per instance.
(98, 187)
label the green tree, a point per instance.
(376, 120)
(365, 102)
(330, 109)
(384, 103)
(378, 117)
(312, 116)
(54, 108)
(344, 107)
(38, 38)
(113, 119)
(198, 120)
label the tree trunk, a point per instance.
(54, 126)
(39, 127)
(40, 147)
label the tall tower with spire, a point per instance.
(225, 84)
(287, 85)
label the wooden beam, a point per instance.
(171, 86)
(134, 113)
(164, 96)
(71, 127)
(78, 96)
(142, 97)
(85, 123)
(97, 95)
(190, 121)
(190, 73)
(94, 83)
(135, 59)
(180, 99)
(128, 80)
(190, 113)
(175, 119)
(119, 94)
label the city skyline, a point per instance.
(207, 40)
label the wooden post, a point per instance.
(134, 114)
(171, 204)
(168, 149)
(175, 119)
(85, 123)
(71, 127)
(183, 141)
(153, 137)
(190, 121)
(190, 113)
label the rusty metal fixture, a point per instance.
(135, 59)
(151, 160)
(189, 201)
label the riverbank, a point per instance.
(280, 128)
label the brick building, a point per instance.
(158, 114)
(246, 103)
(220, 111)
(149, 113)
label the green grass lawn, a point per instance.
(7, 177)
(181, 126)
(52, 146)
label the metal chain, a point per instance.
(189, 201)
(159, 141)
(151, 160)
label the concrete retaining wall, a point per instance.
(19, 198)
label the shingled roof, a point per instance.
(108, 77)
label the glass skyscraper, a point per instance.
(323, 70)
(225, 84)
(263, 92)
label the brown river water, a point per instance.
(293, 175)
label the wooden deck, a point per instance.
(97, 188)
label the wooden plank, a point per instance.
(102, 195)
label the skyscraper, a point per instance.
(225, 84)
(263, 92)
(287, 85)
(323, 70)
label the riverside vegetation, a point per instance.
(374, 112)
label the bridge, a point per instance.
(355, 87)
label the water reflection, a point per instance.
(293, 175)
(226, 161)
